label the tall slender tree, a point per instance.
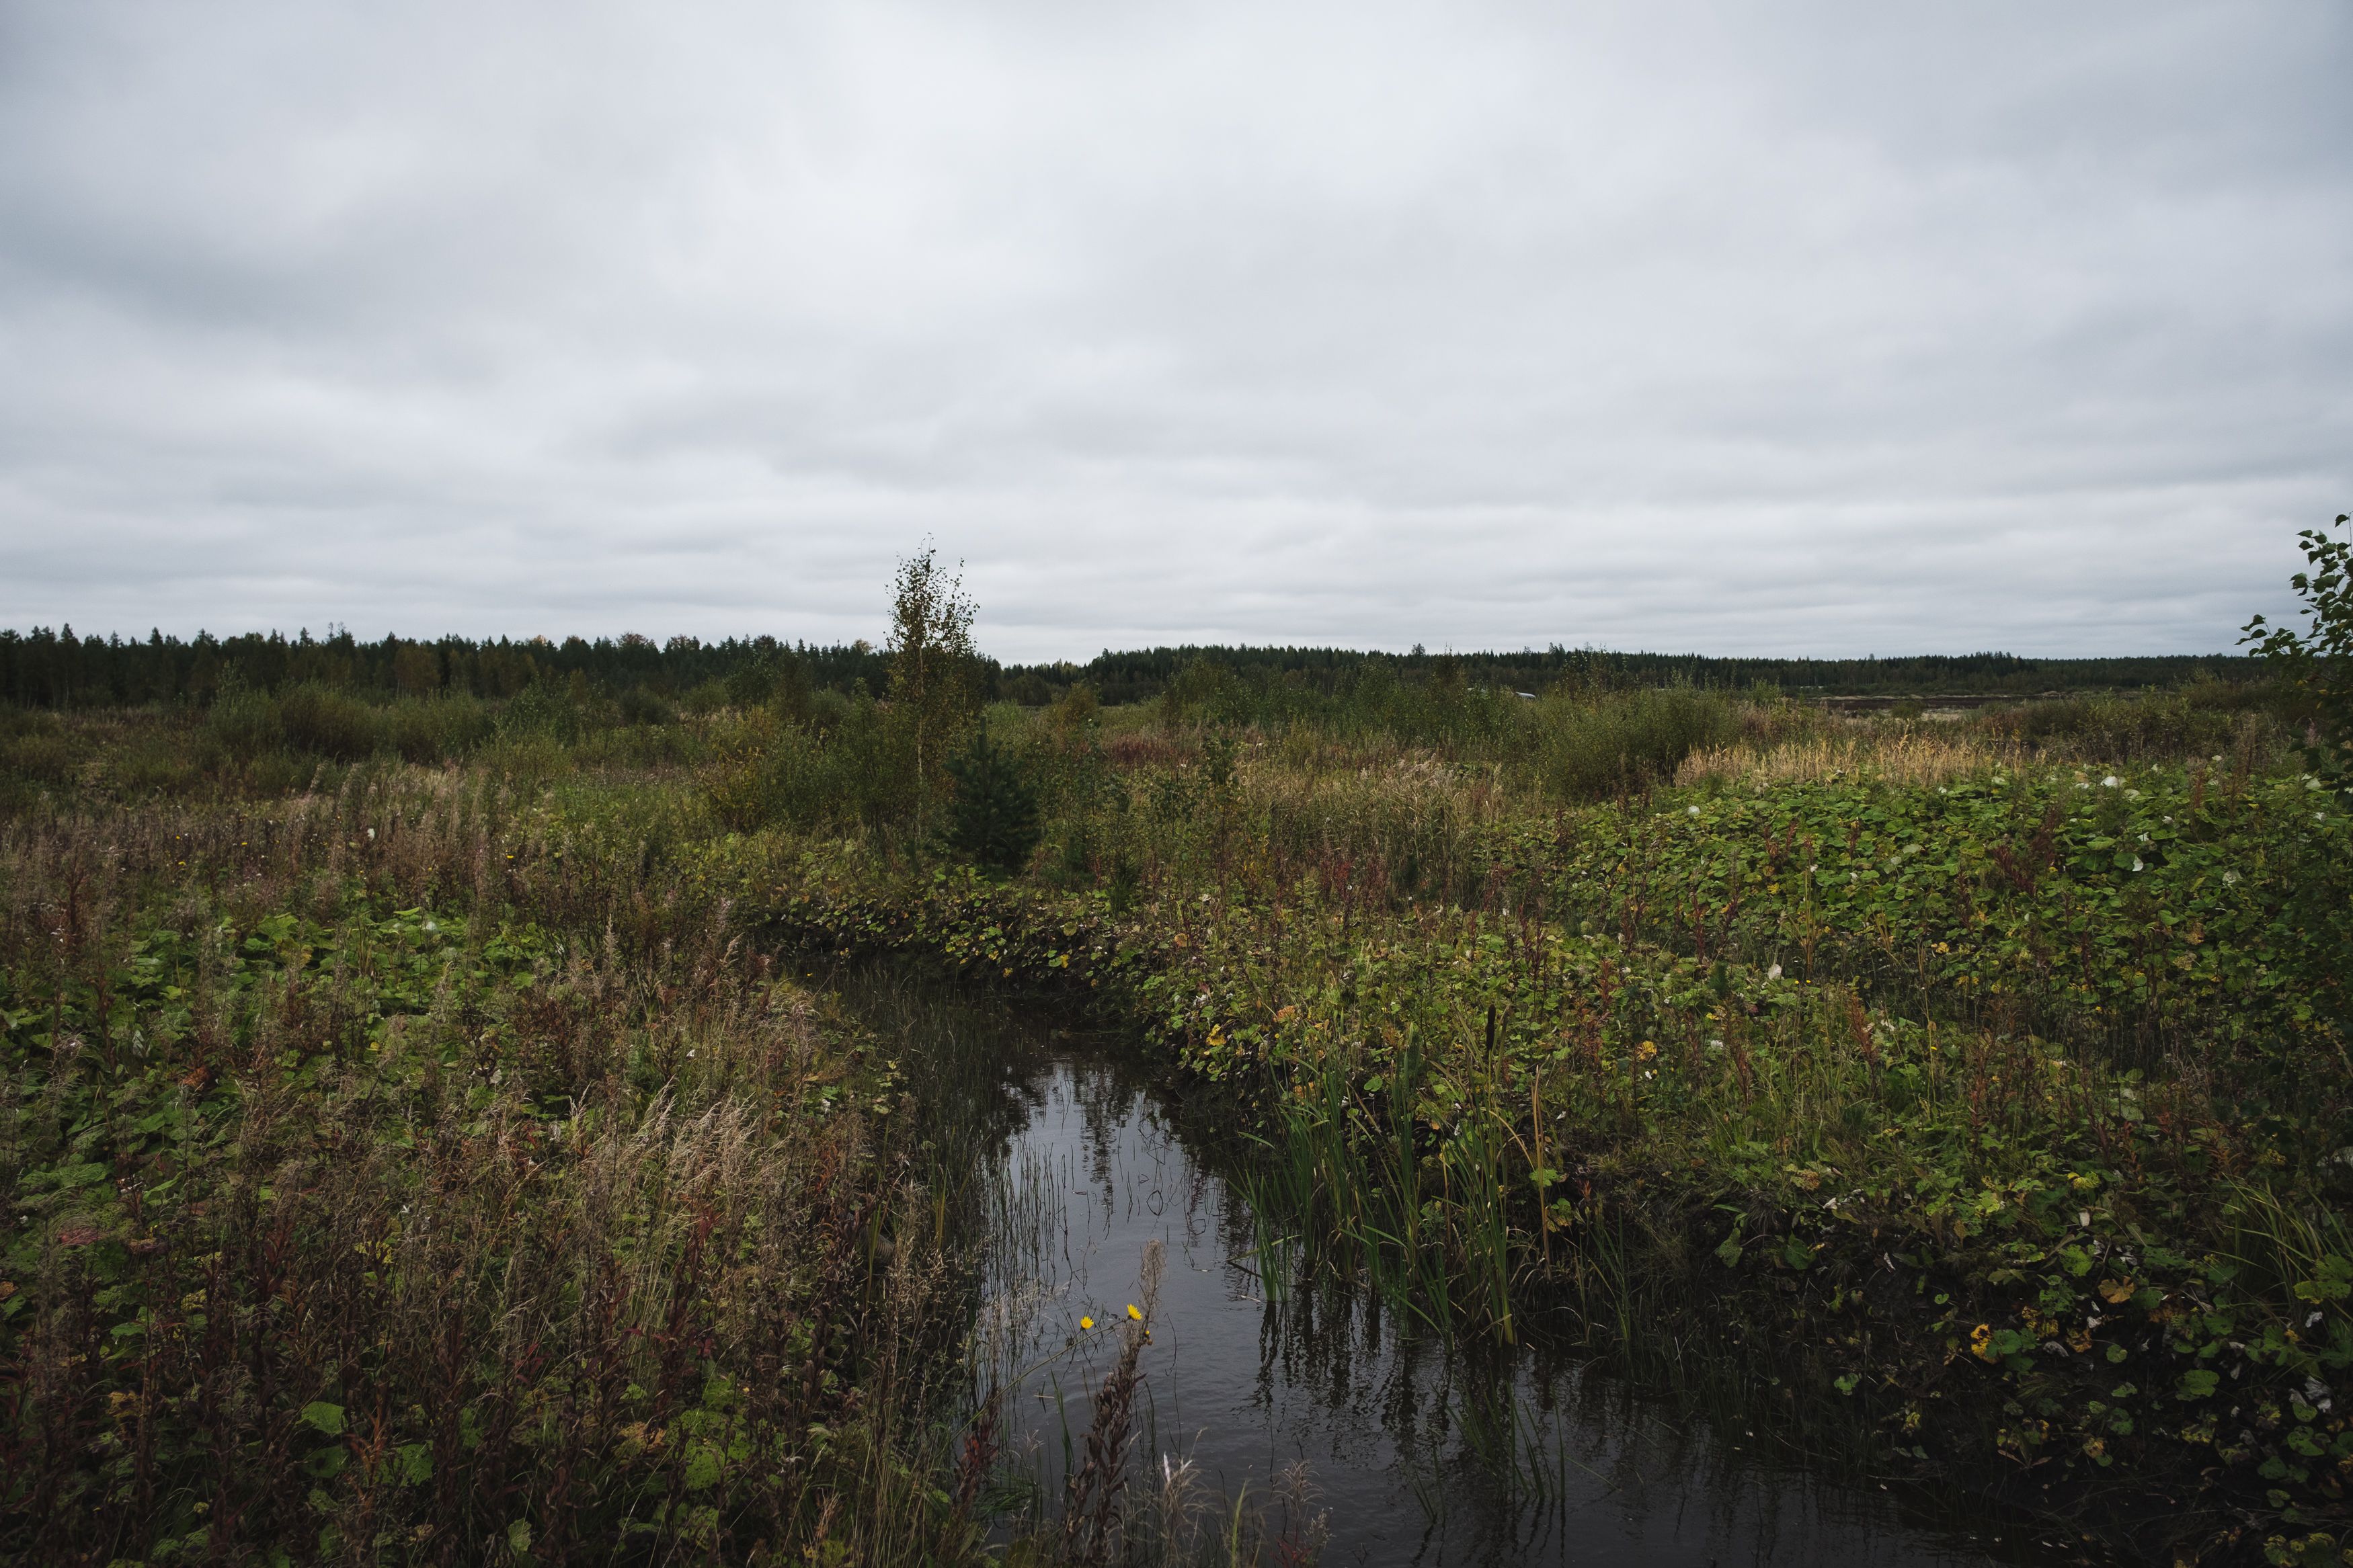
(934, 689)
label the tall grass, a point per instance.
(381, 1207)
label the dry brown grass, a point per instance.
(1910, 757)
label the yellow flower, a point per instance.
(1646, 1050)
(1133, 1313)
(1086, 1322)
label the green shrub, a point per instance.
(2318, 662)
(541, 712)
(151, 760)
(38, 758)
(642, 705)
(331, 724)
(246, 722)
(2173, 726)
(749, 686)
(1592, 748)
(434, 729)
(706, 698)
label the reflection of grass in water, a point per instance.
(1490, 1443)
(1094, 1478)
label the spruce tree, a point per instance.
(993, 820)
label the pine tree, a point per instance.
(993, 820)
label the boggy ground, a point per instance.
(1992, 1085)
(2008, 1099)
(381, 1189)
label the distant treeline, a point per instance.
(42, 669)
(46, 668)
(1128, 676)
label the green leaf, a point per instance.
(703, 1470)
(2198, 1383)
(327, 1418)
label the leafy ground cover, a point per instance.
(378, 1196)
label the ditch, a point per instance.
(1285, 1414)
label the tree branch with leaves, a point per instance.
(2319, 660)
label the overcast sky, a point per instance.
(1783, 328)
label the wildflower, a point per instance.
(2135, 862)
(1646, 1050)
(1774, 972)
(1133, 1313)
(1693, 810)
(2110, 782)
(1086, 1322)
(2230, 879)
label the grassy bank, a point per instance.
(384, 1189)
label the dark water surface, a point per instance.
(1410, 1449)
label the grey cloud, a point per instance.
(1821, 328)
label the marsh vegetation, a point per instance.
(435, 1133)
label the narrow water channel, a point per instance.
(1314, 1415)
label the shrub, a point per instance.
(790, 693)
(246, 722)
(1625, 741)
(432, 729)
(642, 705)
(2171, 726)
(541, 711)
(329, 722)
(750, 685)
(2319, 660)
(1076, 712)
(708, 697)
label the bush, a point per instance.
(430, 730)
(855, 771)
(247, 724)
(748, 686)
(708, 697)
(1593, 747)
(2173, 726)
(329, 722)
(541, 712)
(642, 705)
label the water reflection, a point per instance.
(1328, 1415)
(1412, 1451)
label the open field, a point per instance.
(424, 1143)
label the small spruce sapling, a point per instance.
(993, 820)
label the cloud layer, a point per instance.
(1811, 329)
